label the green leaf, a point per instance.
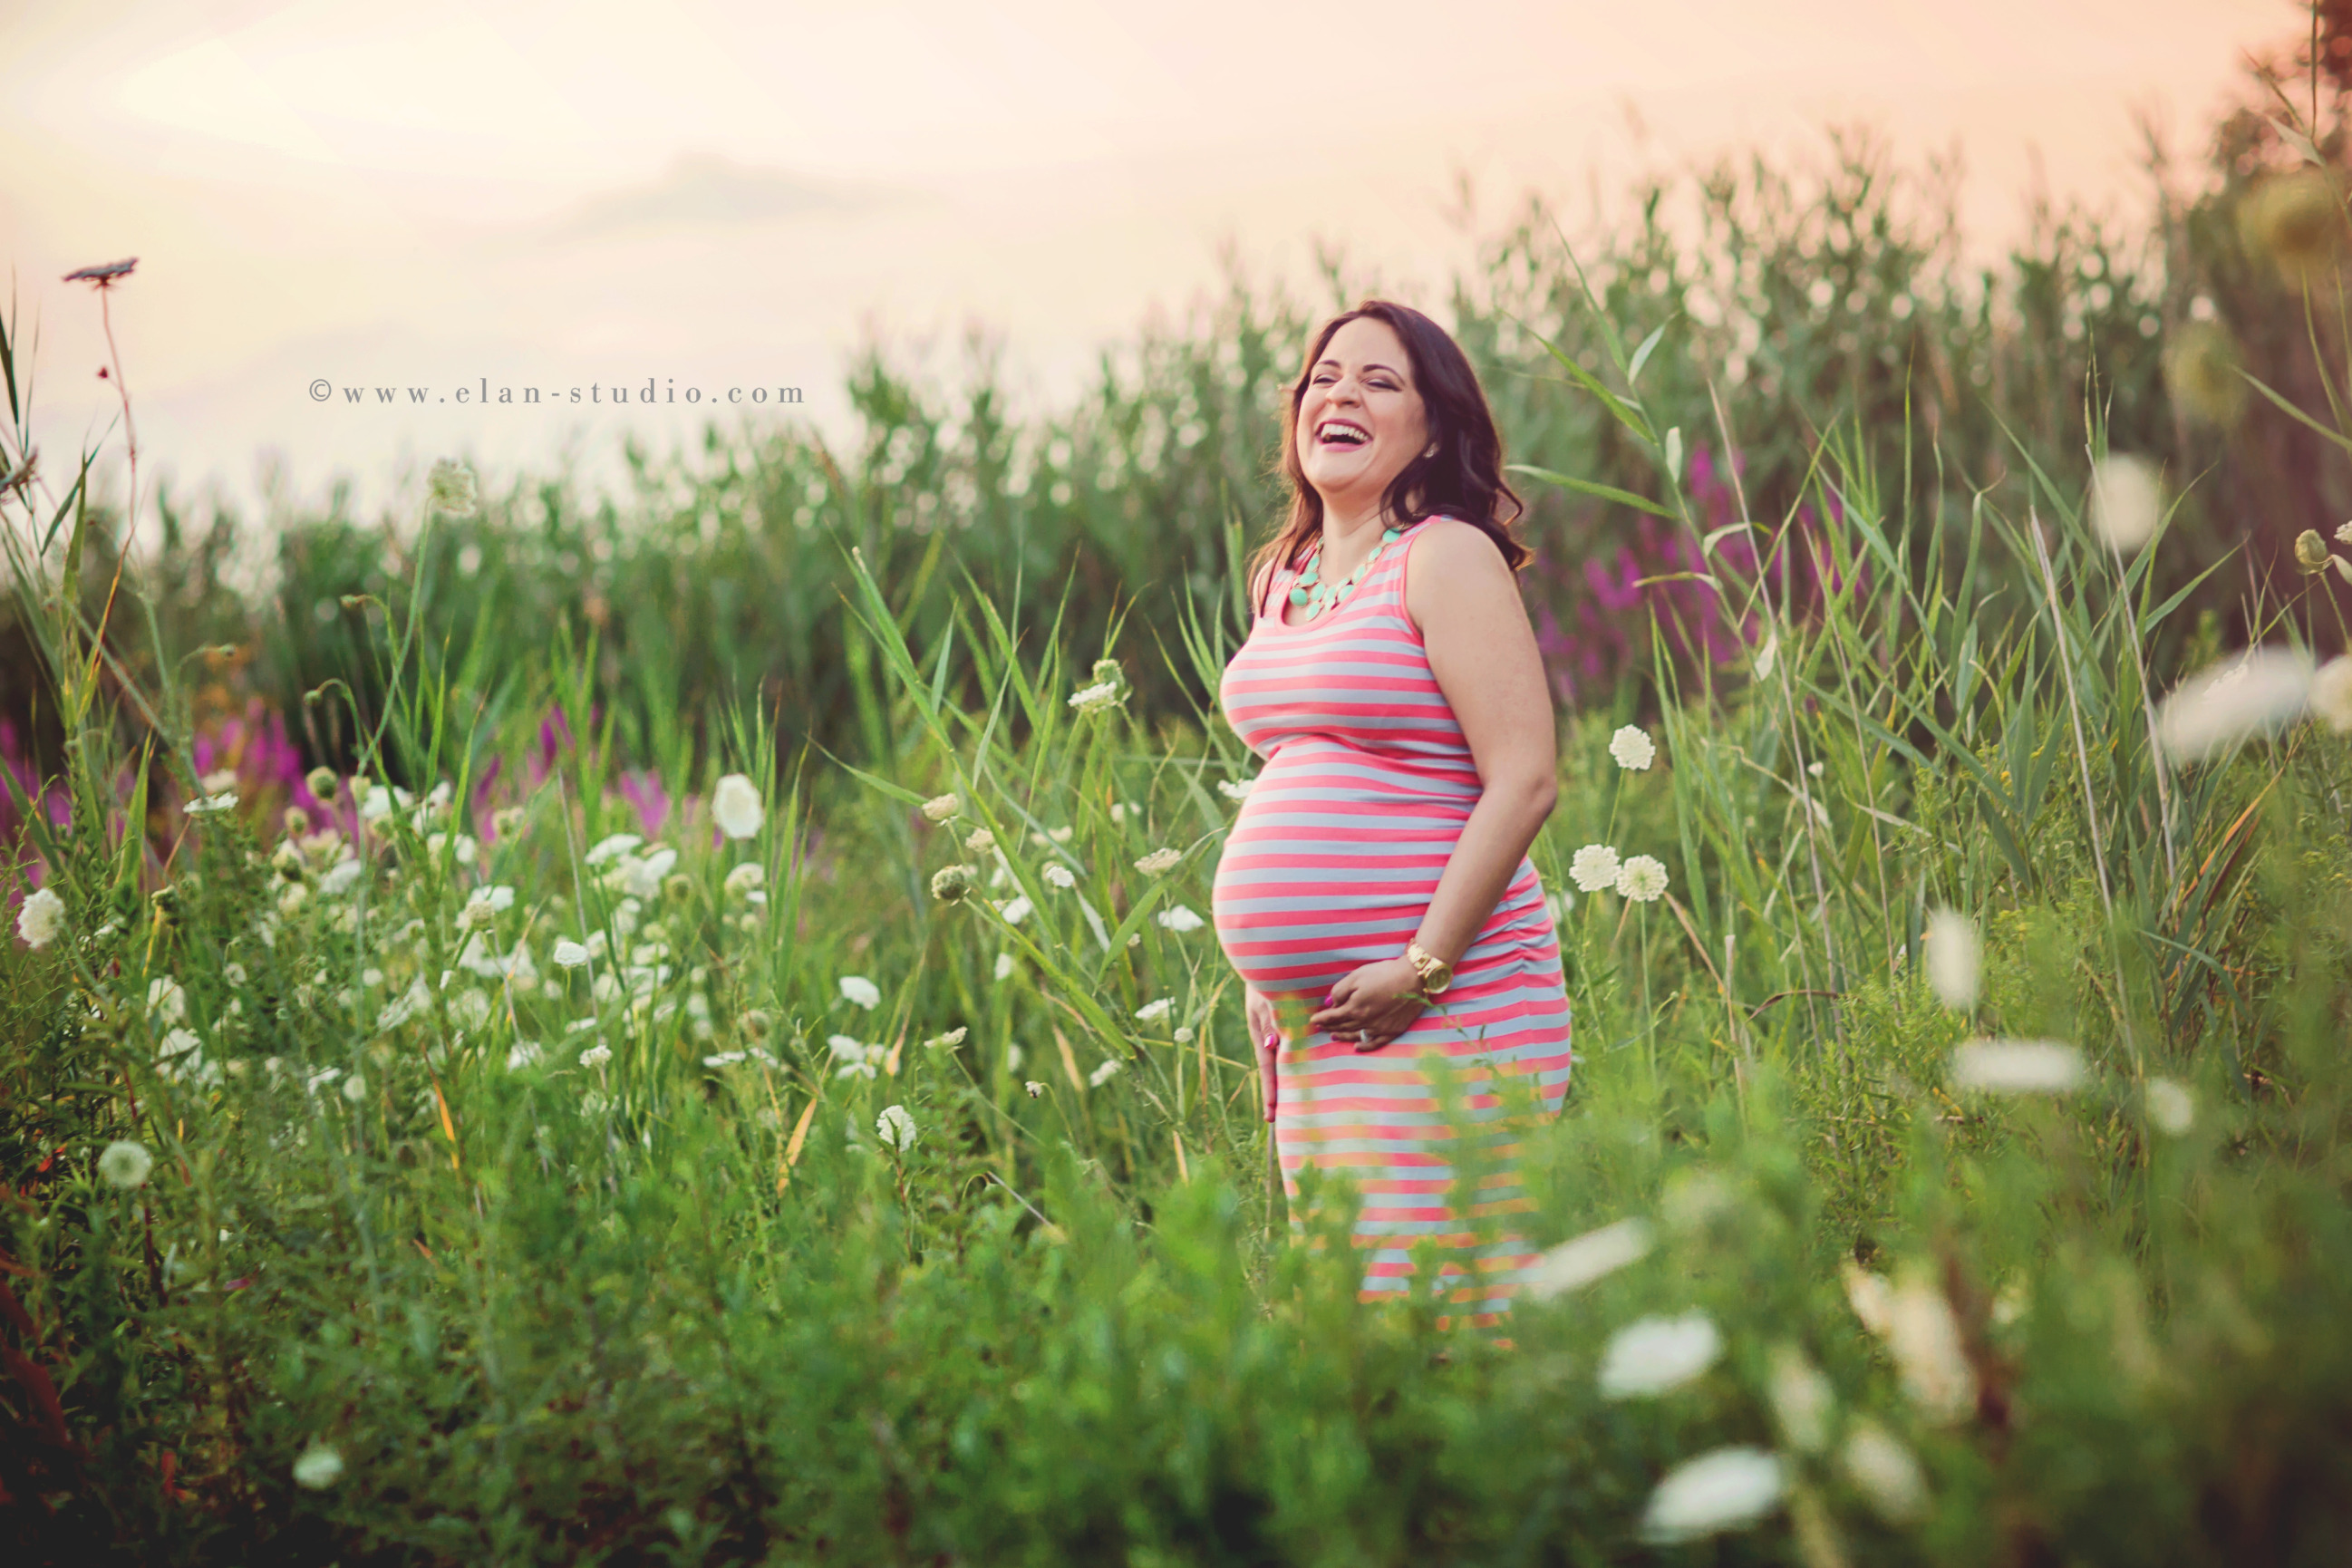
(1641, 354)
(1606, 492)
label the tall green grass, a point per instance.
(451, 1252)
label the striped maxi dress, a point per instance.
(1329, 865)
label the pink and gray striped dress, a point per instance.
(1330, 865)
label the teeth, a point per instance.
(1331, 432)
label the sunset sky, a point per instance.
(719, 193)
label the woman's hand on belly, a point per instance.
(1373, 1004)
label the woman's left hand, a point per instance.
(1371, 1004)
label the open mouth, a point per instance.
(1340, 434)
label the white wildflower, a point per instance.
(1594, 868)
(895, 1128)
(1656, 1355)
(1870, 1295)
(337, 879)
(1177, 918)
(1885, 1472)
(1578, 1262)
(319, 1468)
(1234, 789)
(2331, 693)
(981, 842)
(1952, 957)
(1633, 747)
(1160, 862)
(1925, 1340)
(1003, 966)
(569, 954)
(1015, 909)
(1156, 1012)
(607, 848)
(355, 1088)
(597, 1056)
(2127, 502)
(449, 488)
(166, 1000)
(747, 878)
(224, 801)
(1034, 1088)
(41, 918)
(1094, 698)
(1802, 1399)
(125, 1163)
(1641, 878)
(2170, 1108)
(2018, 1066)
(1728, 1488)
(940, 807)
(862, 991)
(952, 1038)
(736, 806)
(1102, 1075)
(1061, 876)
(524, 1052)
(722, 1059)
(2228, 704)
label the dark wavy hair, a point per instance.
(1464, 479)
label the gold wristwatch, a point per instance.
(1435, 973)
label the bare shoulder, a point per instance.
(1453, 571)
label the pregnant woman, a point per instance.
(1375, 893)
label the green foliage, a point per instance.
(525, 1191)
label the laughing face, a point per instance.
(1361, 420)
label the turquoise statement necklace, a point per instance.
(1318, 595)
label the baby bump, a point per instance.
(1310, 885)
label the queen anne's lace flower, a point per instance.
(1177, 918)
(1094, 698)
(1102, 1075)
(41, 918)
(1641, 878)
(449, 488)
(2018, 1066)
(319, 1468)
(1578, 1262)
(1728, 1488)
(125, 1163)
(1155, 1012)
(1656, 1355)
(862, 991)
(1159, 862)
(1061, 876)
(895, 1128)
(1952, 959)
(940, 807)
(735, 806)
(1633, 747)
(1594, 868)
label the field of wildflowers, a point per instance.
(522, 1109)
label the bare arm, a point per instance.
(1483, 652)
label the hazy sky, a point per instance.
(724, 193)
